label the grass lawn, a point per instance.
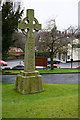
(44, 71)
(57, 101)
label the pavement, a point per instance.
(68, 78)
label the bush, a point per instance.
(5, 56)
(42, 54)
(22, 54)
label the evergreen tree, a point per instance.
(10, 19)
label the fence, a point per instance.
(41, 61)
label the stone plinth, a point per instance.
(29, 82)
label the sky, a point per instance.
(65, 12)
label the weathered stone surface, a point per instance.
(29, 61)
(29, 80)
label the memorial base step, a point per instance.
(29, 82)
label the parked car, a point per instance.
(3, 63)
(5, 67)
(78, 67)
(21, 67)
(54, 65)
(18, 67)
(54, 60)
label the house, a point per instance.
(73, 52)
(15, 51)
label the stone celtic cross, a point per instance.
(29, 80)
(30, 23)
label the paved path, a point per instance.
(50, 78)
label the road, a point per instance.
(50, 78)
(12, 63)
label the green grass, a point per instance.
(44, 71)
(59, 71)
(57, 101)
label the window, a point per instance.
(68, 57)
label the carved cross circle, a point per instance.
(30, 22)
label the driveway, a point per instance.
(50, 78)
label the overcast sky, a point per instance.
(65, 12)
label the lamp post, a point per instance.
(72, 55)
(72, 52)
(35, 51)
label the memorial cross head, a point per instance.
(30, 22)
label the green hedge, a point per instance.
(42, 54)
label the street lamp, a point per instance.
(72, 55)
(36, 51)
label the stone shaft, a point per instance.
(29, 60)
(30, 23)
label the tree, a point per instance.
(19, 39)
(10, 19)
(52, 41)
